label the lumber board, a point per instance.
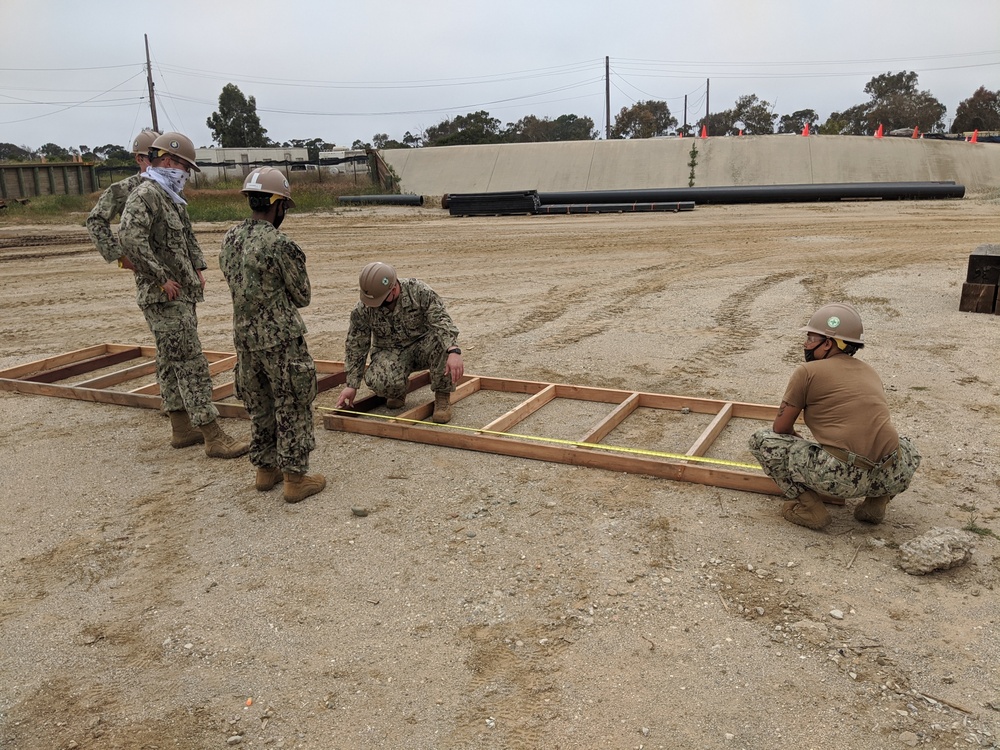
(978, 298)
(715, 427)
(524, 410)
(72, 369)
(577, 456)
(604, 428)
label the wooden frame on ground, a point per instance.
(491, 438)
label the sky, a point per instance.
(74, 73)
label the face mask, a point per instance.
(810, 354)
(279, 216)
(175, 178)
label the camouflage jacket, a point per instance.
(419, 312)
(267, 277)
(156, 235)
(109, 206)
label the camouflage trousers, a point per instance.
(389, 369)
(797, 465)
(278, 387)
(181, 368)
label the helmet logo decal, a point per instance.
(833, 321)
(385, 281)
(174, 144)
(252, 183)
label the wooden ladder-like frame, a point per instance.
(411, 426)
(46, 377)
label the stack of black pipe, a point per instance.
(493, 204)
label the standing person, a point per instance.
(403, 323)
(112, 201)
(157, 238)
(275, 376)
(856, 451)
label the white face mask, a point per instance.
(177, 178)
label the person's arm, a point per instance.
(293, 270)
(359, 340)
(784, 423)
(108, 206)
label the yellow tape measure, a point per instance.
(555, 441)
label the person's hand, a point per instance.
(125, 263)
(455, 367)
(201, 278)
(346, 398)
(171, 289)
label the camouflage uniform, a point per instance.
(108, 206)
(275, 376)
(797, 465)
(156, 236)
(414, 335)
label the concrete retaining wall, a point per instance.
(664, 162)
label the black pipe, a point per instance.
(764, 193)
(385, 200)
(608, 208)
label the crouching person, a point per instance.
(857, 451)
(275, 375)
(404, 325)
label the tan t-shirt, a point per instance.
(844, 405)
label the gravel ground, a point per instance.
(151, 598)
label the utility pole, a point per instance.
(707, 83)
(149, 83)
(684, 130)
(607, 98)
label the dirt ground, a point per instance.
(151, 598)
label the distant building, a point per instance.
(344, 161)
(236, 163)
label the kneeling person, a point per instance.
(275, 375)
(404, 325)
(857, 452)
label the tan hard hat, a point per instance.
(376, 280)
(175, 144)
(838, 320)
(143, 141)
(268, 180)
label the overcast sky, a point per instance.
(73, 73)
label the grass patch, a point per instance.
(217, 201)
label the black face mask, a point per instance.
(280, 215)
(811, 353)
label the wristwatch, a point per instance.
(453, 350)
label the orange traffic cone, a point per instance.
(916, 132)
(805, 129)
(704, 131)
(975, 136)
(878, 133)
(680, 133)
(741, 131)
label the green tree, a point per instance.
(718, 123)
(312, 145)
(981, 111)
(643, 120)
(10, 152)
(475, 127)
(52, 152)
(236, 124)
(795, 122)
(564, 128)
(895, 102)
(755, 114)
(112, 152)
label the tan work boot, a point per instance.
(220, 445)
(872, 509)
(183, 432)
(267, 478)
(442, 407)
(300, 486)
(395, 403)
(806, 510)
